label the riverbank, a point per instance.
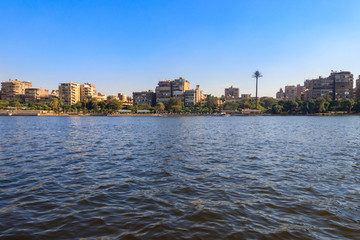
(70, 114)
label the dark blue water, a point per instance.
(180, 177)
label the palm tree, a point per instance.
(257, 75)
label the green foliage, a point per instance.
(174, 105)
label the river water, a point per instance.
(180, 177)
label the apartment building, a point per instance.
(14, 89)
(87, 90)
(193, 96)
(144, 97)
(339, 85)
(179, 86)
(357, 88)
(37, 95)
(232, 92)
(290, 92)
(171, 88)
(163, 91)
(70, 92)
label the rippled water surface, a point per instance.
(180, 177)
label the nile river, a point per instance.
(180, 177)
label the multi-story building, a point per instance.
(36, 95)
(144, 97)
(14, 89)
(87, 90)
(357, 89)
(163, 91)
(245, 96)
(54, 93)
(290, 92)
(179, 86)
(193, 96)
(232, 92)
(280, 95)
(171, 88)
(339, 85)
(70, 92)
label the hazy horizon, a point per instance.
(126, 46)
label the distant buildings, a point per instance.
(87, 90)
(163, 91)
(193, 96)
(280, 95)
(69, 92)
(232, 92)
(37, 95)
(339, 85)
(171, 88)
(14, 89)
(144, 97)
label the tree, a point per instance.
(257, 75)
(276, 108)
(349, 103)
(160, 107)
(174, 104)
(113, 104)
(211, 102)
(290, 106)
(230, 106)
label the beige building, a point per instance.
(36, 95)
(14, 89)
(179, 86)
(245, 96)
(232, 92)
(193, 96)
(358, 88)
(87, 90)
(70, 92)
(171, 88)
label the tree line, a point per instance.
(210, 105)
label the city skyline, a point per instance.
(127, 46)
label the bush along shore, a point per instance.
(175, 107)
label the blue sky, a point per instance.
(125, 46)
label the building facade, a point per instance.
(70, 92)
(163, 91)
(87, 90)
(339, 85)
(14, 89)
(290, 92)
(193, 96)
(178, 87)
(37, 95)
(232, 92)
(280, 95)
(144, 97)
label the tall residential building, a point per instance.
(193, 96)
(179, 86)
(163, 91)
(232, 92)
(14, 89)
(144, 97)
(342, 89)
(280, 95)
(171, 88)
(290, 92)
(87, 90)
(36, 95)
(70, 92)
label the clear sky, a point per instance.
(125, 46)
